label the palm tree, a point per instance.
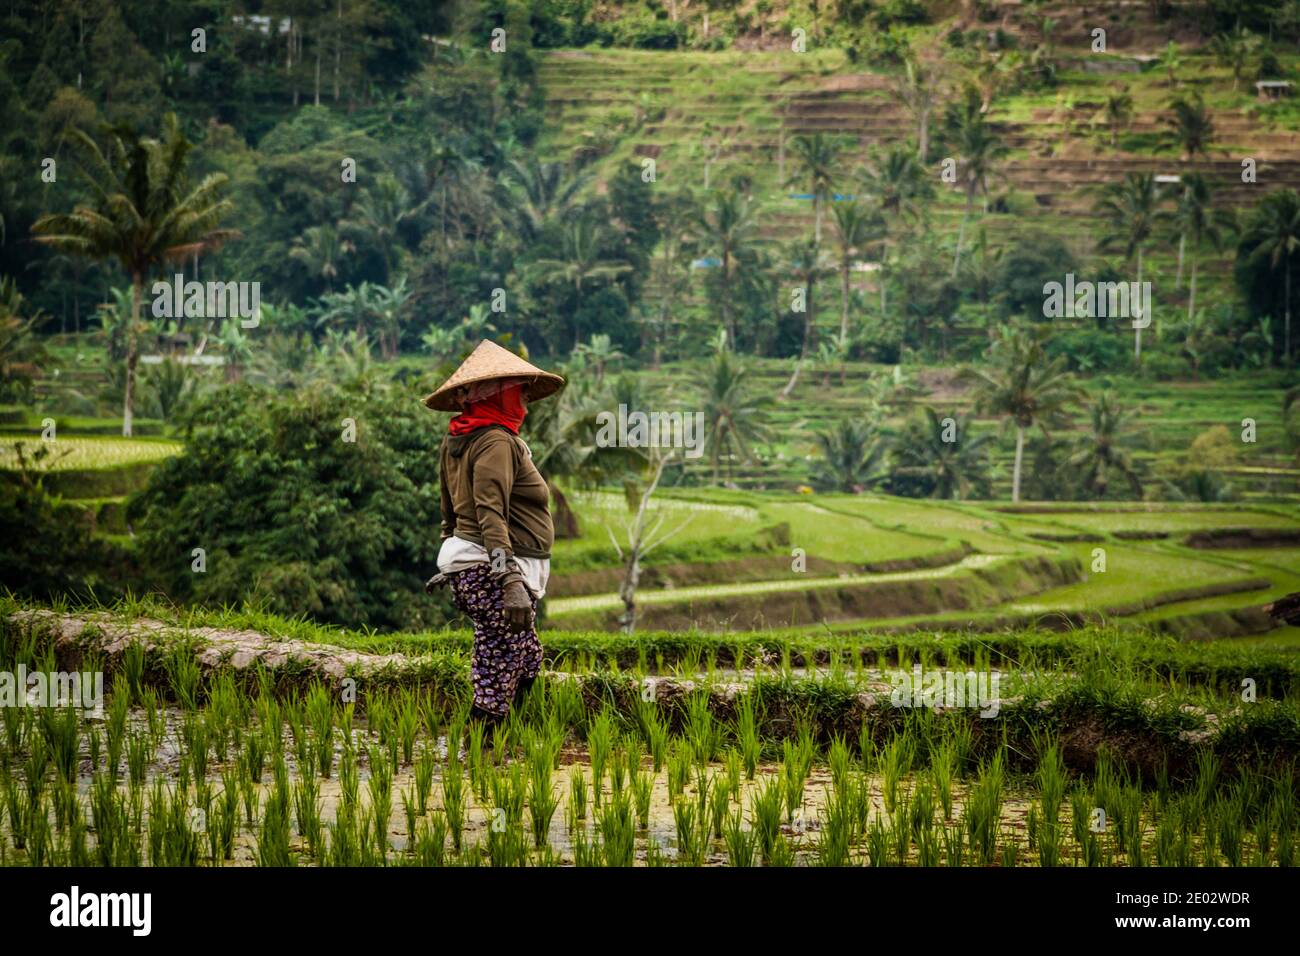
(854, 228)
(1274, 230)
(926, 459)
(320, 250)
(22, 351)
(727, 230)
(1099, 455)
(980, 148)
(144, 215)
(600, 351)
(1118, 112)
(534, 193)
(1131, 209)
(734, 415)
(916, 88)
(1191, 126)
(1197, 221)
(1021, 386)
(899, 184)
(1234, 51)
(816, 160)
(581, 261)
(378, 217)
(852, 457)
(809, 266)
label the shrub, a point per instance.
(292, 515)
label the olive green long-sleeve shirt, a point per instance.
(493, 494)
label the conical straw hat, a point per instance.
(489, 361)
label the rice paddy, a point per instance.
(1084, 758)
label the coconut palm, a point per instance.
(979, 148)
(809, 266)
(900, 185)
(734, 415)
(1131, 209)
(1023, 387)
(916, 88)
(854, 228)
(1196, 221)
(144, 215)
(320, 250)
(1191, 126)
(852, 457)
(1099, 456)
(816, 162)
(1274, 230)
(1234, 50)
(377, 218)
(1117, 112)
(726, 230)
(938, 457)
(534, 193)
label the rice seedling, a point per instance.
(1229, 815)
(226, 815)
(408, 725)
(895, 762)
(320, 717)
(702, 728)
(600, 741)
(689, 845)
(733, 766)
(578, 793)
(719, 805)
(183, 675)
(61, 728)
(836, 831)
(133, 665)
(430, 843)
(793, 779)
(954, 846)
(424, 767)
(273, 846)
(616, 830)
(747, 735)
(194, 731)
(984, 809)
(642, 790)
(542, 800)
(453, 799)
(679, 769)
(380, 787)
(766, 802)
(943, 767)
(741, 842)
(115, 727)
(1051, 780)
(782, 855)
(307, 812)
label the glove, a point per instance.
(518, 605)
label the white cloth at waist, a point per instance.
(457, 554)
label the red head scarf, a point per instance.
(505, 407)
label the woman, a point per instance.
(496, 522)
